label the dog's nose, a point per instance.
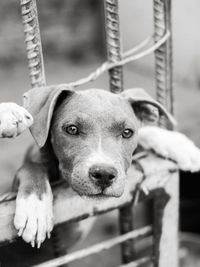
(102, 175)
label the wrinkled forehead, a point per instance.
(97, 105)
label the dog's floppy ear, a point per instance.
(40, 102)
(145, 107)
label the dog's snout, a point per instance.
(102, 175)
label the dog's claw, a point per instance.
(39, 244)
(20, 232)
(33, 244)
(144, 189)
(49, 234)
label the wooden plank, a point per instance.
(166, 224)
(78, 208)
(139, 262)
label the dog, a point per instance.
(14, 119)
(86, 138)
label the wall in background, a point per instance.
(74, 29)
(69, 29)
(137, 23)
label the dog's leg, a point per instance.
(14, 119)
(172, 145)
(34, 208)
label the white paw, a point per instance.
(14, 119)
(34, 218)
(172, 145)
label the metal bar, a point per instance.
(139, 262)
(33, 42)
(163, 55)
(147, 230)
(116, 86)
(113, 44)
(126, 225)
(165, 204)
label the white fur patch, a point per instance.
(34, 217)
(98, 157)
(172, 145)
(14, 120)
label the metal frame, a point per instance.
(165, 201)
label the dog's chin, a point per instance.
(102, 196)
(98, 193)
(97, 198)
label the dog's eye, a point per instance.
(72, 130)
(127, 133)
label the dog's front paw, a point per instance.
(34, 218)
(172, 145)
(14, 119)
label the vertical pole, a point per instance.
(165, 204)
(33, 43)
(163, 55)
(116, 86)
(166, 210)
(113, 44)
(126, 225)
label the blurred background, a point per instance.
(73, 40)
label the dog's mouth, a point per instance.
(89, 190)
(97, 197)
(103, 195)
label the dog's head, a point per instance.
(93, 133)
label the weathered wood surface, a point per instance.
(68, 206)
(166, 219)
(166, 223)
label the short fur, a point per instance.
(100, 145)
